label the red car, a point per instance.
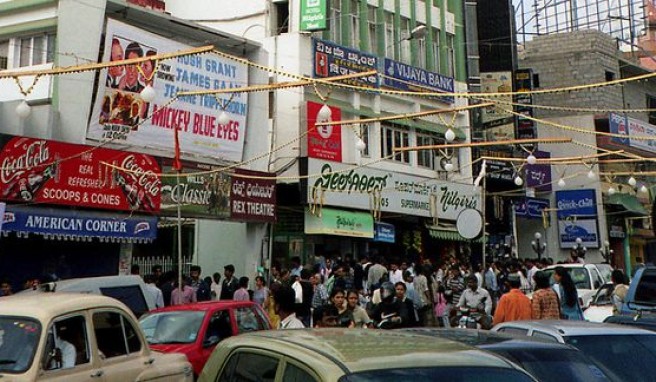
(195, 329)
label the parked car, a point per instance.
(353, 355)
(587, 277)
(639, 321)
(539, 358)
(641, 296)
(130, 290)
(195, 329)
(78, 337)
(623, 353)
(601, 306)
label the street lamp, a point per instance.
(538, 247)
(606, 252)
(579, 248)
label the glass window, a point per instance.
(355, 24)
(4, 54)
(572, 366)
(36, 50)
(436, 48)
(421, 53)
(66, 344)
(19, 339)
(130, 295)
(294, 373)
(426, 158)
(176, 327)
(336, 21)
(405, 43)
(395, 137)
(115, 335)
(616, 354)
(255, 368)
(25, 55)
(364, 135)
(247, 320)
(646, 288)
(228, 369)
(514, 331)
(371, 26)
(390, 41)
(464, 373)
(450, 55)
(544, 336)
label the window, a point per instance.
(390, 42)
(294, 373)
(425, 158)
(247, 367)
(646, 288)
(130, 295)
(364, 135)
(4, 54)
(421, 53)
(450, 56)
(35, 50)
(610, 76)
(355, 24)
(247, 320)
(436, 48)
(514, 331)
(66, 344)
(115, 335)
(544, 336)
(651, 104)
(282, 19)
(395, 137)
(220, 327)
(336, 21)
(405, 43)
(371, 26)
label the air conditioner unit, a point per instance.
(439, 163)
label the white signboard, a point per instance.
(343, 185)
(119, 113)
(639, 128)
(585, 229)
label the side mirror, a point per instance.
(211, 341)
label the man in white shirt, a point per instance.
(284, 299)
(532, 267)
(154, 291)
(474, 296)
(65, 353)
(395, 275)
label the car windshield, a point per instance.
(572, 366)
(19, 338)
(179, 327)
(580, 276)
(451, 374)
(603, 295)
(616, 355)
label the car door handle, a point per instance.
(149, 361)
(97, 374)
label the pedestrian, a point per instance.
(215, 286)
(201, 288)
(183, 295)
(544, 302)
(241, 294)
(424, 301)
(319, 295)
(360, 317)
(5, 288)
(514, 305)
(619, 291)
(284, 307)
(261, 293)
(441, 309)
(154, 291)
(401, 289)
(167, 284)
(230, 283)
(568, 296)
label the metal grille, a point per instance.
(168, 263)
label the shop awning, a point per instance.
(329, 221)
(74, 225)
(448, 233)
(629, 203)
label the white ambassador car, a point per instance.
(601, 306)
(587, 278)
(72, 337)
(622, 352)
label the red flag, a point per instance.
(177, 165)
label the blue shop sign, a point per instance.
(384, 232)
(410, 78)
(579, 203)
(69, 223)
(531, 207)
(332, 60)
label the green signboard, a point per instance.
(314, 15)
(329, 221)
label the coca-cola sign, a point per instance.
(43, 171)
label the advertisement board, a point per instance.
(50, 172)
(584, 229)
(538, 175)
(332, 60)
(576, 203)
(577, 218)
(531, 207)
(314, 15)
(409, 78)
(120, 114)
(364, 188)
(494, 116)
(324, 142)
(524, 84)
(253, 196)
(631, 127)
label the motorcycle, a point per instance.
(468, 318)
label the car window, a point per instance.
(572, 366)
(426, 374)
(115, 335)
(581, 277)
(616, 354)
(249, 367)
(130, 295)
(67, 344)
(294, 373)
(603, 295)
(19, 338)
(605, 270)
(646, 288)
(219, 328)
(175, 327)
(247, 320)
(514, 331)
(544, 336)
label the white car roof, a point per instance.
(44, 306)
(568, 328)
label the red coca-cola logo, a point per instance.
(146, 179)
(35, 153)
